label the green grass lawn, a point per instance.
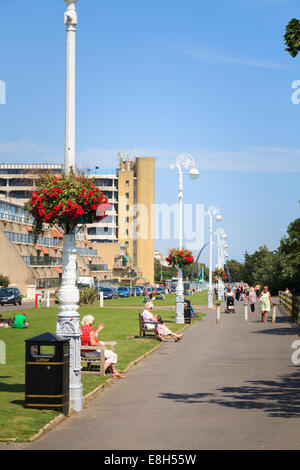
(121, 325)
(199, 298)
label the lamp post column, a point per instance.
(219, 267)
(212, 211)
(179, 288)
(71, 23)
(68, 321)
(210, 287)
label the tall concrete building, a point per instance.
(129, 219)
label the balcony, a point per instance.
(98, 267)
(42, 261)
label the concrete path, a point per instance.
(227, 386)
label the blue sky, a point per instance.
(210, 79)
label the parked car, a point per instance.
(123, 291)
(109, 293)
(10, 295)
(142, 289)
(136, 290)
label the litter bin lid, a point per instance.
(46, 338)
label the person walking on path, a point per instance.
(266, 303)
(252, 299)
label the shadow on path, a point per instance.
(279, 398)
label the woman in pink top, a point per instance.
(252, 299)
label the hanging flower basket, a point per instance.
(219, 273)
(67, 201)
(180, 258)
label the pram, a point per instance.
(229, 304)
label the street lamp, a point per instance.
(187, 162)
(68, 320)
(221, 235)
(213, 211)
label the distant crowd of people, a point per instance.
(251, 294)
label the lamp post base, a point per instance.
(68, 320)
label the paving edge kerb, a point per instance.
(54, 422)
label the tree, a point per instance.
(289, 254)
(292, 37)
(235, 270)
(4, 281)
(262, 267)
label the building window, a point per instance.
(127, 195)
(127, 219)
(127, 183)
(127, 207)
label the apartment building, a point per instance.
(38, 266)
(17, 181)
(129, 218)
(130, 190)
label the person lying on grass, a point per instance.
(89, 338)
(162, 330)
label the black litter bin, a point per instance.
(187, 311)
(47, 372)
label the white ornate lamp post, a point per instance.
(187, 162)
(221, 240)
(213, 211)
(68, 321)
(71, 23)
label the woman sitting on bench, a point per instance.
(89, 338)
(162, 330)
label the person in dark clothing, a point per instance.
(257, 290)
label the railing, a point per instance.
(87, 251)
(16, 218)
(291, 305)
(42, 261)
(98, 267)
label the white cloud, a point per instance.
(29, 152)
(209, 55)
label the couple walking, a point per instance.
(266, 301)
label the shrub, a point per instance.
(88, 295)
(4, 281)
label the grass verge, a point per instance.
(121, 325)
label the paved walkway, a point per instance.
(227, 386)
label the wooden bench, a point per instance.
(96, 361)
(144, 329)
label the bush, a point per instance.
(88, 295)
(4, 281)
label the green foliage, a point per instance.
(292, 37)
(88, 296)
(4, 281)
(235, 268)
(277, 269)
